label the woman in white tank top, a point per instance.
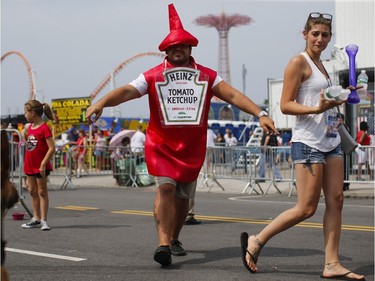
(315, 150)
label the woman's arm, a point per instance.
(267, 140)
(84, 145)
(362, 138)
(51, 150)
(295, 73)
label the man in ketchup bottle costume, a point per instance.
(179, 92)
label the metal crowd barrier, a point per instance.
(357, 171)
(251, 164)
(126, 165)
(224, 163)
(246, 163)
(272, 165)
(16, 157)
(354, 172)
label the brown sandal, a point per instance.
(341, 276)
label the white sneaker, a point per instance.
(31, 224)
(45, 225)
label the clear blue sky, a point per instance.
(73, 44)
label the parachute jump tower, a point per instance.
(223, 23)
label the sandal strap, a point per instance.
(253, 257)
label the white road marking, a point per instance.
(43, 254)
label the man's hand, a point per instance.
(93, 110)
(268, 125)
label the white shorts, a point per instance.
(362, 155)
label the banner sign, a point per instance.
(70, 110)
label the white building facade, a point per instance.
(353, 24)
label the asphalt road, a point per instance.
(109, 234)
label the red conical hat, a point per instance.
(177, 34)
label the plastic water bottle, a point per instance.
(336, 93)
(362, 80)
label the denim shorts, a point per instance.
(99, 152)
(184, 190)
(302, 153)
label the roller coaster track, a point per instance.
(32, 94)
(118, 68)
(105, 81)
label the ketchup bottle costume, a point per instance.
(175, 148)
(175, 151)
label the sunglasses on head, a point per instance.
(316, 15)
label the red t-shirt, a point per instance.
(366, 140)
(81, 145)
(36, 148)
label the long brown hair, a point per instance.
(39, 108)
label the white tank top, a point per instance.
(316, 130)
